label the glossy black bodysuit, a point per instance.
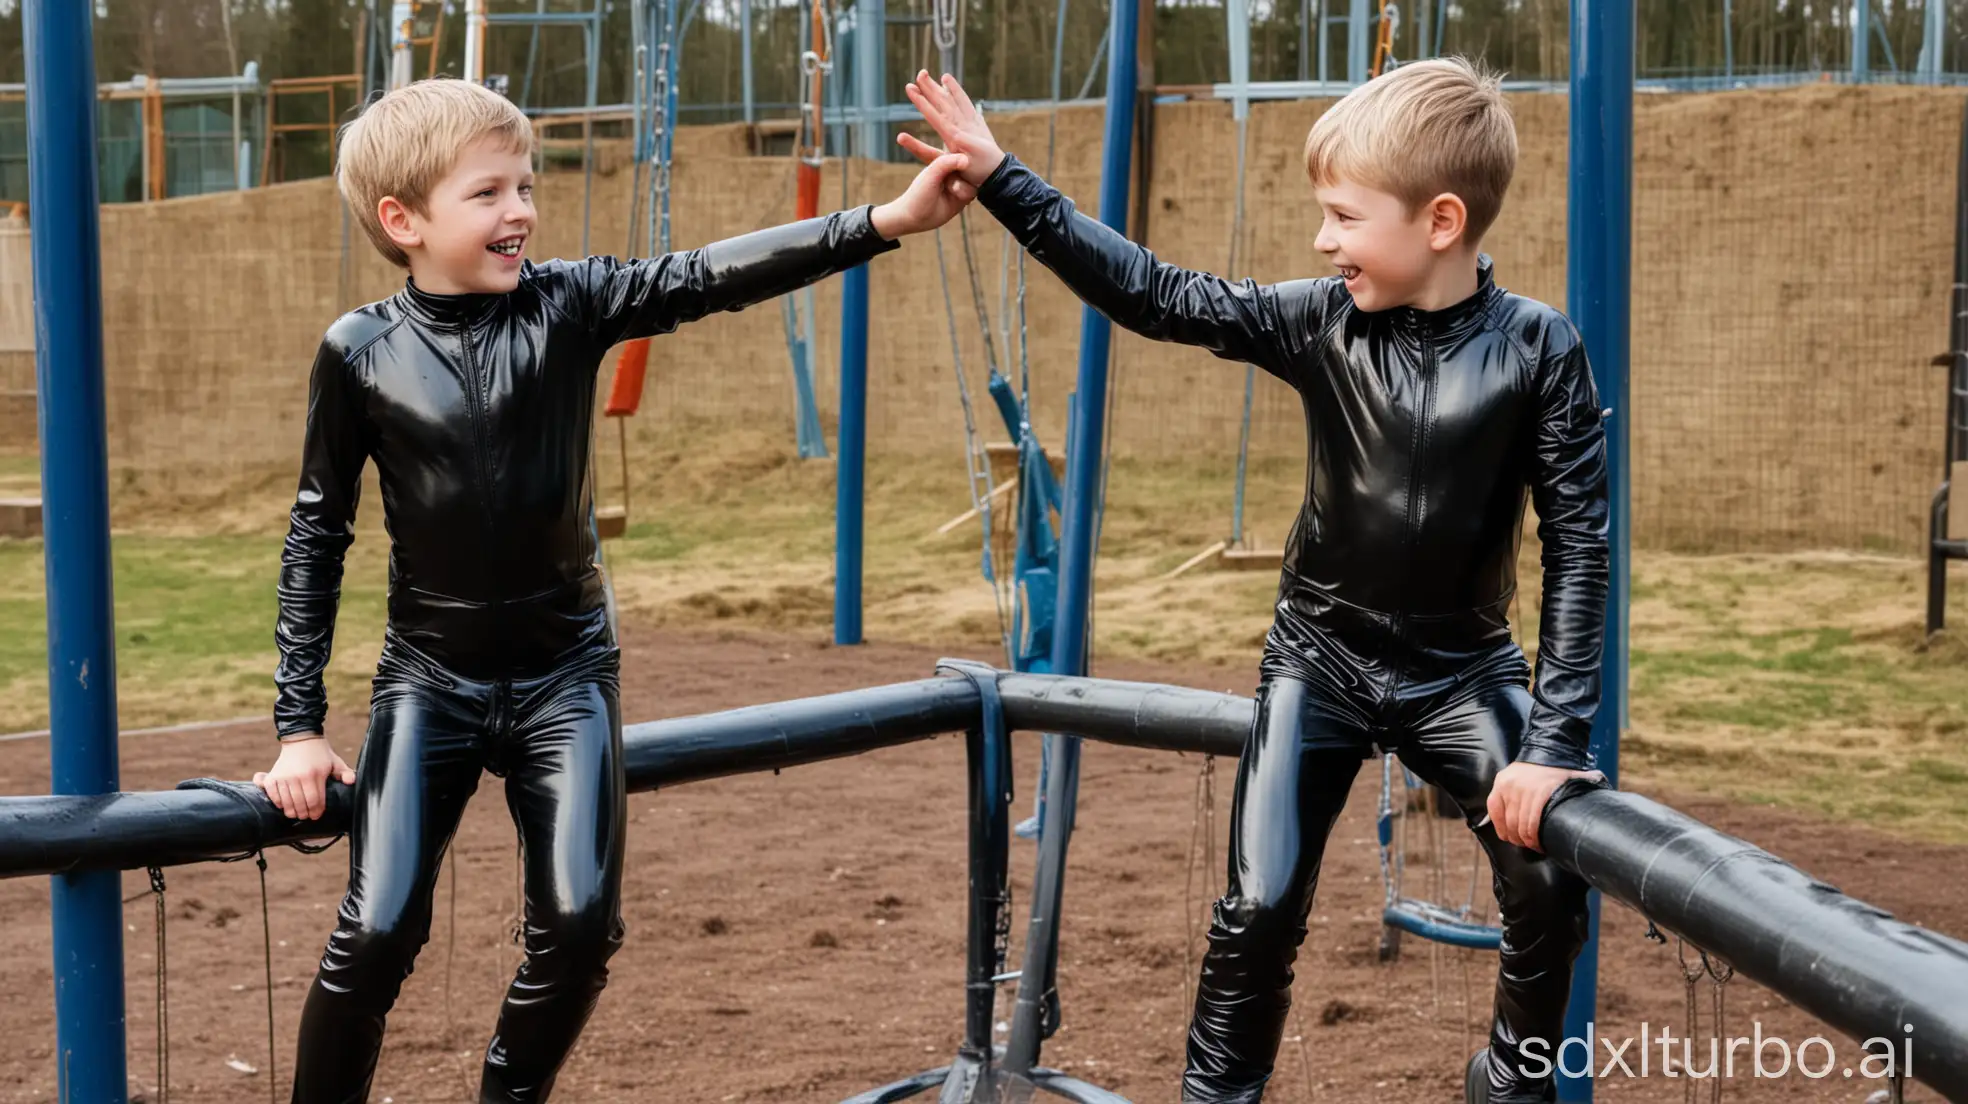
(498, 654)
(1424, 431)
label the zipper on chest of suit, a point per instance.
(475, 403)
(1417, 454)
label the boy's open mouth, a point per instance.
(508, 247)
(1348, 272)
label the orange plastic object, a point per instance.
(807, 203)
(626, 394)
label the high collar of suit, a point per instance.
(447, 311)
(1458, 318)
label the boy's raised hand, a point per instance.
(933, 198)
(956, 120)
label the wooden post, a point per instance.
(156, 175)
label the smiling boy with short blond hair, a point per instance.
(473, 389)
(1434, 400)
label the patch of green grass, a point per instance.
(194, 628)
(1936, 770)
(655, 541)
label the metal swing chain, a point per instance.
(943, 25)
(1691, 973)
(163, 991)
(641, 69)
(1390, 878)
(1202, 835)
(1719, 973)
(815, 61)
(660, 175)
(1007, 598)
(977, 292)
(157, 890)
(266, 937)
(976, 461)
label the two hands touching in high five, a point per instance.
(948, 110)
(951, 175)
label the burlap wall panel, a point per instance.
(1792, 256)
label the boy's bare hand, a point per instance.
(1518, 797)
(957, 122)
(298, 782)
(933, 198)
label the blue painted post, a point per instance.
(870, 95)
(1599, 236)
(1079, 523)
(87, 908)
(871, 89)
(1933, 40)
(1359, 47)
(1088, 428)
(1861, 39)
(850, 472)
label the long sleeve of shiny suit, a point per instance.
(1414, 488)
(434, 387)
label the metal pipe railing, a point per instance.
(1846, 962)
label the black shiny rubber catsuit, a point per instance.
(557, 740)
(1425, 431)
(499, 655)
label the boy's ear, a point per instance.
(1448, 218)
(394, 214)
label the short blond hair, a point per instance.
(1426, 128)
(405, 142)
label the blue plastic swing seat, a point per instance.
(1439, 925)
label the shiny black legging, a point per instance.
(1298, 764)
(557, 740)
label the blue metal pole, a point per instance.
(87, 908)
(1359, 49)
(1069, 643)
(745, 37)
(869, 93)
(1086, 428)
(1861, 39)
(1599, 235)
(853, 456)
(871, 90)
(672, 62)
(1933, 38)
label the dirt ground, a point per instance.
(799, 937)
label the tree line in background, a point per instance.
(1007, 45)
